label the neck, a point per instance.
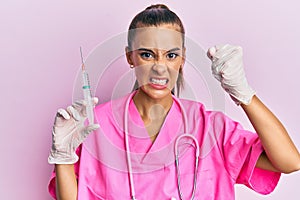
(150, 108)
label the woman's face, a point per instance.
(157, 54)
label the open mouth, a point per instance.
(159, 81)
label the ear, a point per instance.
(128, 55)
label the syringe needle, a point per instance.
(82, 59)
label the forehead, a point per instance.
(164, 37)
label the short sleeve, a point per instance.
(52, 184)
(260, 180)
(241, 150)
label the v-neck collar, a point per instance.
(157, 152)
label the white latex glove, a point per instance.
(69, 132)
(227, 67)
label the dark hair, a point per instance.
(156, 15)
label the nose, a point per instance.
(159, 67)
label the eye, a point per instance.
(172, 56)
(146, 55)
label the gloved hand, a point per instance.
(69, 131)
(227, 67)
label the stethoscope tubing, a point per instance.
(185, 134)
(197, 153)
(128, 156)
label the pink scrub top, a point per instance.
(228, 155)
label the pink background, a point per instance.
(39, 62)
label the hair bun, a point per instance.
(157, 6)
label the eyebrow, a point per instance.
(174, 49)
(144, 49)
(149, 50)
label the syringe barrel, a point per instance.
(88, 98)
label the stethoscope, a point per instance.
(185, 134)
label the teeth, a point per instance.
(159, 81)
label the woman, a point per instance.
(144, 167)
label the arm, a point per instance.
(69, 131)
(280, 152)
(66, 183)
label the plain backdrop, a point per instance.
(39, 58)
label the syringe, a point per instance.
(87, 93)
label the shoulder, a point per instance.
(112, 105)
(111, 112)
(198, 112)
(190, 105)
(194, 107)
